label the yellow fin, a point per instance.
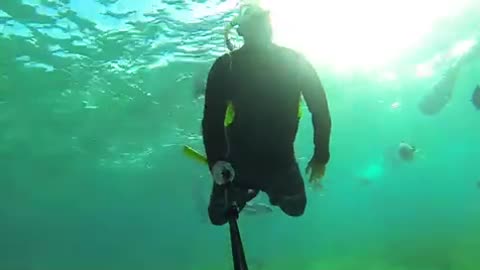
(194, 154)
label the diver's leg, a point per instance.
(287, 190)
(216, 207)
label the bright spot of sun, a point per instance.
(388, 76)
(356, 34)
(463, 47)
(424, 70)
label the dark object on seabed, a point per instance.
(476, 97)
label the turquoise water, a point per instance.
(97, 100)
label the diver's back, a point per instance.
(265, 94)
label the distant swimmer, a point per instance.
(476, 97)
(199, 83)
(406, 152)
(441, 94)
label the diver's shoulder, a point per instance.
(223, 60)
(223, 57)
(287, 52)
(283, 48)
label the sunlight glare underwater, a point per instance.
(351, 34)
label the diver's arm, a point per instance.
(214, 138)
(315, 97)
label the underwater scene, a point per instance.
(99, 99)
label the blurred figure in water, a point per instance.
(199, 84)
(476, 97)
(402, 152)
(406, 152)
(441, 94)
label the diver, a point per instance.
(260, 86)
(441, 94)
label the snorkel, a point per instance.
(226, 34)
(246, 10)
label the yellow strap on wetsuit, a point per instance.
(300, 114)
(230, 113)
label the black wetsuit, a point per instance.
(265, 89)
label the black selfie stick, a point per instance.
(232, 212)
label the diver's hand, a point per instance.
(315, 170)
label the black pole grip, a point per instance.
(232, 212)
(239, 260)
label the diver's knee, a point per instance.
(218, 221)
(294, 207)
(216, 216)
(294, 211)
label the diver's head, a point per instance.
(255, 27)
